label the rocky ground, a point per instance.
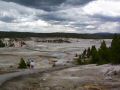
(44, 53)
(86, 77)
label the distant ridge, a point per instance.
(56, 34)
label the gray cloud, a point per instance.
(78, 2)
(7, 19)
(49, 5)
(55, 16)
(107, 18)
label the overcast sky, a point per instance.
(73, 16)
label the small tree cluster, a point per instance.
(83, 58)
(2, 44)
(22, 64)
(102, 55)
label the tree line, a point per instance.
(55, 35)
(102, 55)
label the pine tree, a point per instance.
(79, 60)
(88, 52)
(115, 50)
(2, 44)
(103, 54)
(84, 54)
(22, 64)
(95, 55)
(76, 55)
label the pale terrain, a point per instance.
(44, 53)
(86, 77)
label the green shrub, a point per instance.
(22, 64)
(2, 44)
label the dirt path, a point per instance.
(88, 77)
(9, 76)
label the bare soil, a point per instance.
(86, 77)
